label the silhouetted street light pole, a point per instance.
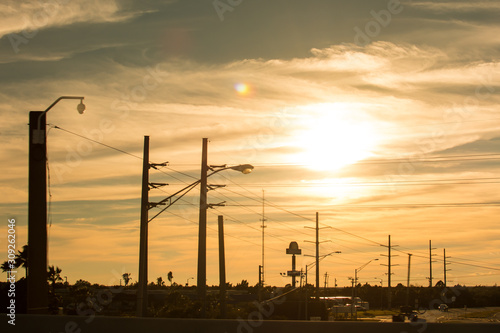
(37, 208)
(356, 281)
(320, 258)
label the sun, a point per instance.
(334, 135)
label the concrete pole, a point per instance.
(202, 231)
(142, 291)
(222, 268)
(317, 255)
(38, 290)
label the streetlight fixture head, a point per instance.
(244, 168)
(81, 107)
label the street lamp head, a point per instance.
(81, 107)
(244, 168)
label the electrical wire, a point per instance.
(97, 142)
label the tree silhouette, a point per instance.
(20, 260)
(170, 276)
(54, 276)
(6, 267)
(159, 281)
(242, 285)
(126, 278)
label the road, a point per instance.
(455, 315)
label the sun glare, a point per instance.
(332, 136)
(242, 88)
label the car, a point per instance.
(357, 307)
(443, 308)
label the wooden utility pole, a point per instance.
(408, 281)
(389, 273)
(445, 263)
(430, 262)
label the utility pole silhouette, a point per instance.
(317, 252)
(142, 290)
(445, 269)
(430, 262)
(222, 268)
(389, 273)
(408, 281)
(202, 231)
(263, 226)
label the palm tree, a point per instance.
(21, 259)
(53, 276)
(6, 268)
(126, 278)
(159, 281)
(170, 276)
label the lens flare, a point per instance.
(242, 88)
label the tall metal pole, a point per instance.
(142, 292)
(222, 268)
(389, 293)
(263, 226)
(317, 255)
(408, 281)
(37, 215)
(202, 231)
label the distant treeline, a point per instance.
(177, 301)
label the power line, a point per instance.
(98, 142)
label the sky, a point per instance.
(381, 116)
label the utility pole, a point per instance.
(142, 287)
(408, 281)
(389, 265)
(445, 269)
(263, 226)
(317, 242)
(260, 283)
(202, 230)
(317, 255)
(222, 268)
(430, 262)
(142, 291)
(326, 280)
